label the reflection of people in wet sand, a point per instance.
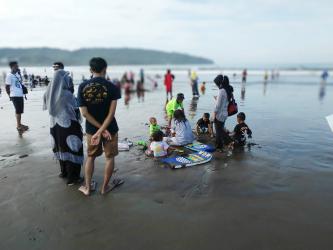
(265, 82)
(168, 81)
(243, 90)
(193, 107)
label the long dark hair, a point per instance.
(222, 82)
(179, 116)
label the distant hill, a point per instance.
(114, 56)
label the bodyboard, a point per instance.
(189, 160)
(198, 146)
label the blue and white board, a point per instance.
(197, 146)
(189, 160)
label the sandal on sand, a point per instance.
(115, 183)
(93, 186)
(25, 127)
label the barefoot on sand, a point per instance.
(84, 189)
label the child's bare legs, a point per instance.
(88, 173)
(210, 131)
(109, 166)
(197, 130)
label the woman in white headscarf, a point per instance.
(65, 128)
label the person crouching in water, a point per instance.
(183, 134)
(240, 131)
(158, 148)
(204, 125)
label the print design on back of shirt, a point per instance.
(95, 93)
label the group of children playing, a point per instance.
(163, 143)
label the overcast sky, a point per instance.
(229, 32)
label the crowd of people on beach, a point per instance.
(96, 101)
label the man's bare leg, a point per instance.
(18, 120)
(88, 173)
(109, 166)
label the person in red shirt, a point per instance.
(168, 80)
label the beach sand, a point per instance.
(257, 199)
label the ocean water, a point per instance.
(286, 115)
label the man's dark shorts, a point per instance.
(18, 104)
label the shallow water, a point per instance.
(286, 115)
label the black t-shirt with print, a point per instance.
(240, 130)
(202, 123)
(97, 94)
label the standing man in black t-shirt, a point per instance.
(98, 102)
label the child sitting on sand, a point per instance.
(153, 127)
(158, 148)
(240, 131)
(182, 131)
(204, 125)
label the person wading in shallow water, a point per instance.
(14, 89)
(98, 102)
(65, 128)
(168, 80)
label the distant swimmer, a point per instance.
(244, 76)
(266, 76)
(324, 75)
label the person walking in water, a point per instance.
(65, 128)
(244, 76)
(194, 84)
(168, 81)
(98, 102)
(14, 89)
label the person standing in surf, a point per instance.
(14, 89)
(244, 76)
(98, 102)
(65, 128)
(194, 84)
(220, 113)
(168, 81)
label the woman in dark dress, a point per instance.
(65, 128)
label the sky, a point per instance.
(229, 32)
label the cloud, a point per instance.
(226, 31)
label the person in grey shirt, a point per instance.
(220, 113)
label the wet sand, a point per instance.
(251, 200)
